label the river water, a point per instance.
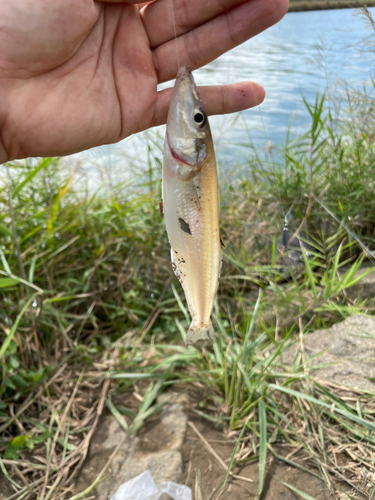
(306, 52)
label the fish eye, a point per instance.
(199, 118)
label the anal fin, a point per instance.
(175, 265)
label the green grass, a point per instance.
(88, 300)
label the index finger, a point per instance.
(213, 38)
(140, 3)
(166, 19)
(217, 99)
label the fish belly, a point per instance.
(191, 212)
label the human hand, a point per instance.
(75, 74)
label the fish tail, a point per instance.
(201, 334)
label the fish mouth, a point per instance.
(184, 72)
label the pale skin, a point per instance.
(75, 74)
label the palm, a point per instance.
(85, 96)
(85, 73)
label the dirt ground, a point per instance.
(5, 490)
(196, 457)
(201, 470)
(200, 463)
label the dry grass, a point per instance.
(88, 309)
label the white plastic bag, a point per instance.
(143, 487)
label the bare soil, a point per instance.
(196, 457)
(5, 490)
(197, 461)
(201, 470)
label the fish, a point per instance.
(190, 202)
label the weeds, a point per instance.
(89, 309)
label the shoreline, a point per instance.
(305, 5)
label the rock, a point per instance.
(344, 353)
(157, 449)
(108, 435)
(365, 289)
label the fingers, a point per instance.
(163, 17)
(123, 1)
(140, 3)
(218, 99)
(222, 33)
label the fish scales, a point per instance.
(191, 203)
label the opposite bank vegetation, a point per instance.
(303, 5)
(89, 309)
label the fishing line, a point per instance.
(175, 35)
(268, 149)
(366, 249)
(285, 237)
(264, 127)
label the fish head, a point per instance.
(188, 130)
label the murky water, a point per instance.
(305, 53)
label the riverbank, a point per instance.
(304, 5)
(92, 320)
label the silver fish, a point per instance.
(191, 204)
